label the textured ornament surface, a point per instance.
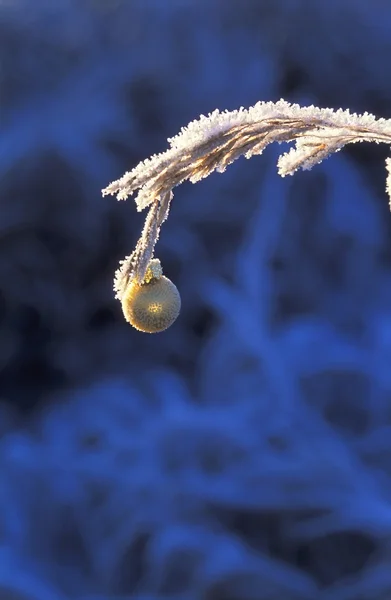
(151, 307)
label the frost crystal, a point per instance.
(212, 143)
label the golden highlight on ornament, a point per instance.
(153, 305)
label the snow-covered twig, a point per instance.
(212, 143)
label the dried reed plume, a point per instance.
(214, 142)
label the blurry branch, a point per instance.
(214, 142)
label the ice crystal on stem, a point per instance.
(212, 143)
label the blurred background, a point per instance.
(245, 453)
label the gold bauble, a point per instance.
(151, 306)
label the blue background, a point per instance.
(245, 453)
